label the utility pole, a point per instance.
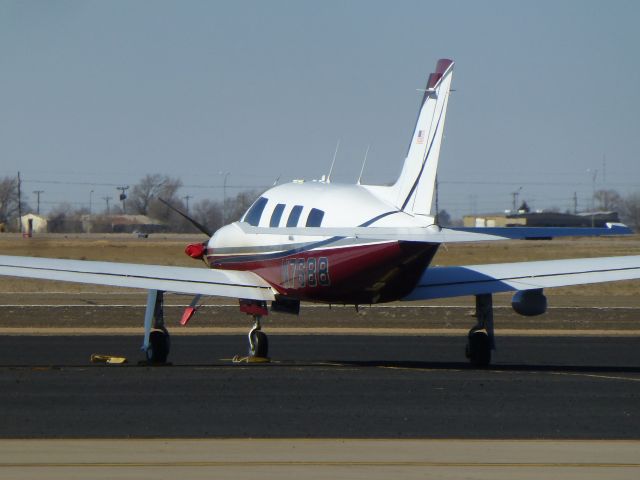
(224, 198)
(106, 199)
(123, 197)
(38, 192)
(19, 203)
(594, 175)
(515, 199)
(186, 199)
(575, 203)
(593, 188)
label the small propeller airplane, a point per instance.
(352, 244)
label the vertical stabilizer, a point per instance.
(414, 189)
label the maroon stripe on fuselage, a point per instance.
(352, 275)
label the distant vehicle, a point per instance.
(355, 244)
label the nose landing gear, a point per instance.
(258, 341)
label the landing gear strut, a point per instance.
(258, 341)
(481, 338)
(157, 342)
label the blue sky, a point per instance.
(95, 94)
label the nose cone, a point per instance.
(196, 250)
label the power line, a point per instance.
(67, 182)
(541, 183)
(117, 185)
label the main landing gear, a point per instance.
(157, 342)
(481, 338)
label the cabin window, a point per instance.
(276, 215)
(294, 216)
(315, 218)
(252, 217)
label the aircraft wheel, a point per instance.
(159, 346)
(479, 348)
(259, 344)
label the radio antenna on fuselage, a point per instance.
(363, 164)
(333, 162)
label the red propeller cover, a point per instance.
(196, 250)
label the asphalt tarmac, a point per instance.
(322, 386)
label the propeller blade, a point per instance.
(190, 310)
(195, 223)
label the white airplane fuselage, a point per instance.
(325, 269)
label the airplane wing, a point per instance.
(440, 282)
(435, 234)
(202, 281)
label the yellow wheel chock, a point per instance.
(250, 359)
(108, 359)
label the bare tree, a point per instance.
(144, 195)
(608, 200)
(235, 207)
(209, 214)
(8, 199)
(630, 211)
(444, 219)
(63, 219)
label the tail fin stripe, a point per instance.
(433, 80)
(424, 163)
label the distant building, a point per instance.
(122, 224)
(492, 220)
(32, 223)
(541, 219)
(136, 223)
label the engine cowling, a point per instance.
(529, 302)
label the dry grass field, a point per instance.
(620, 299)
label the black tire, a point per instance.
(479, 349)
(159, 345)
(259, 346)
